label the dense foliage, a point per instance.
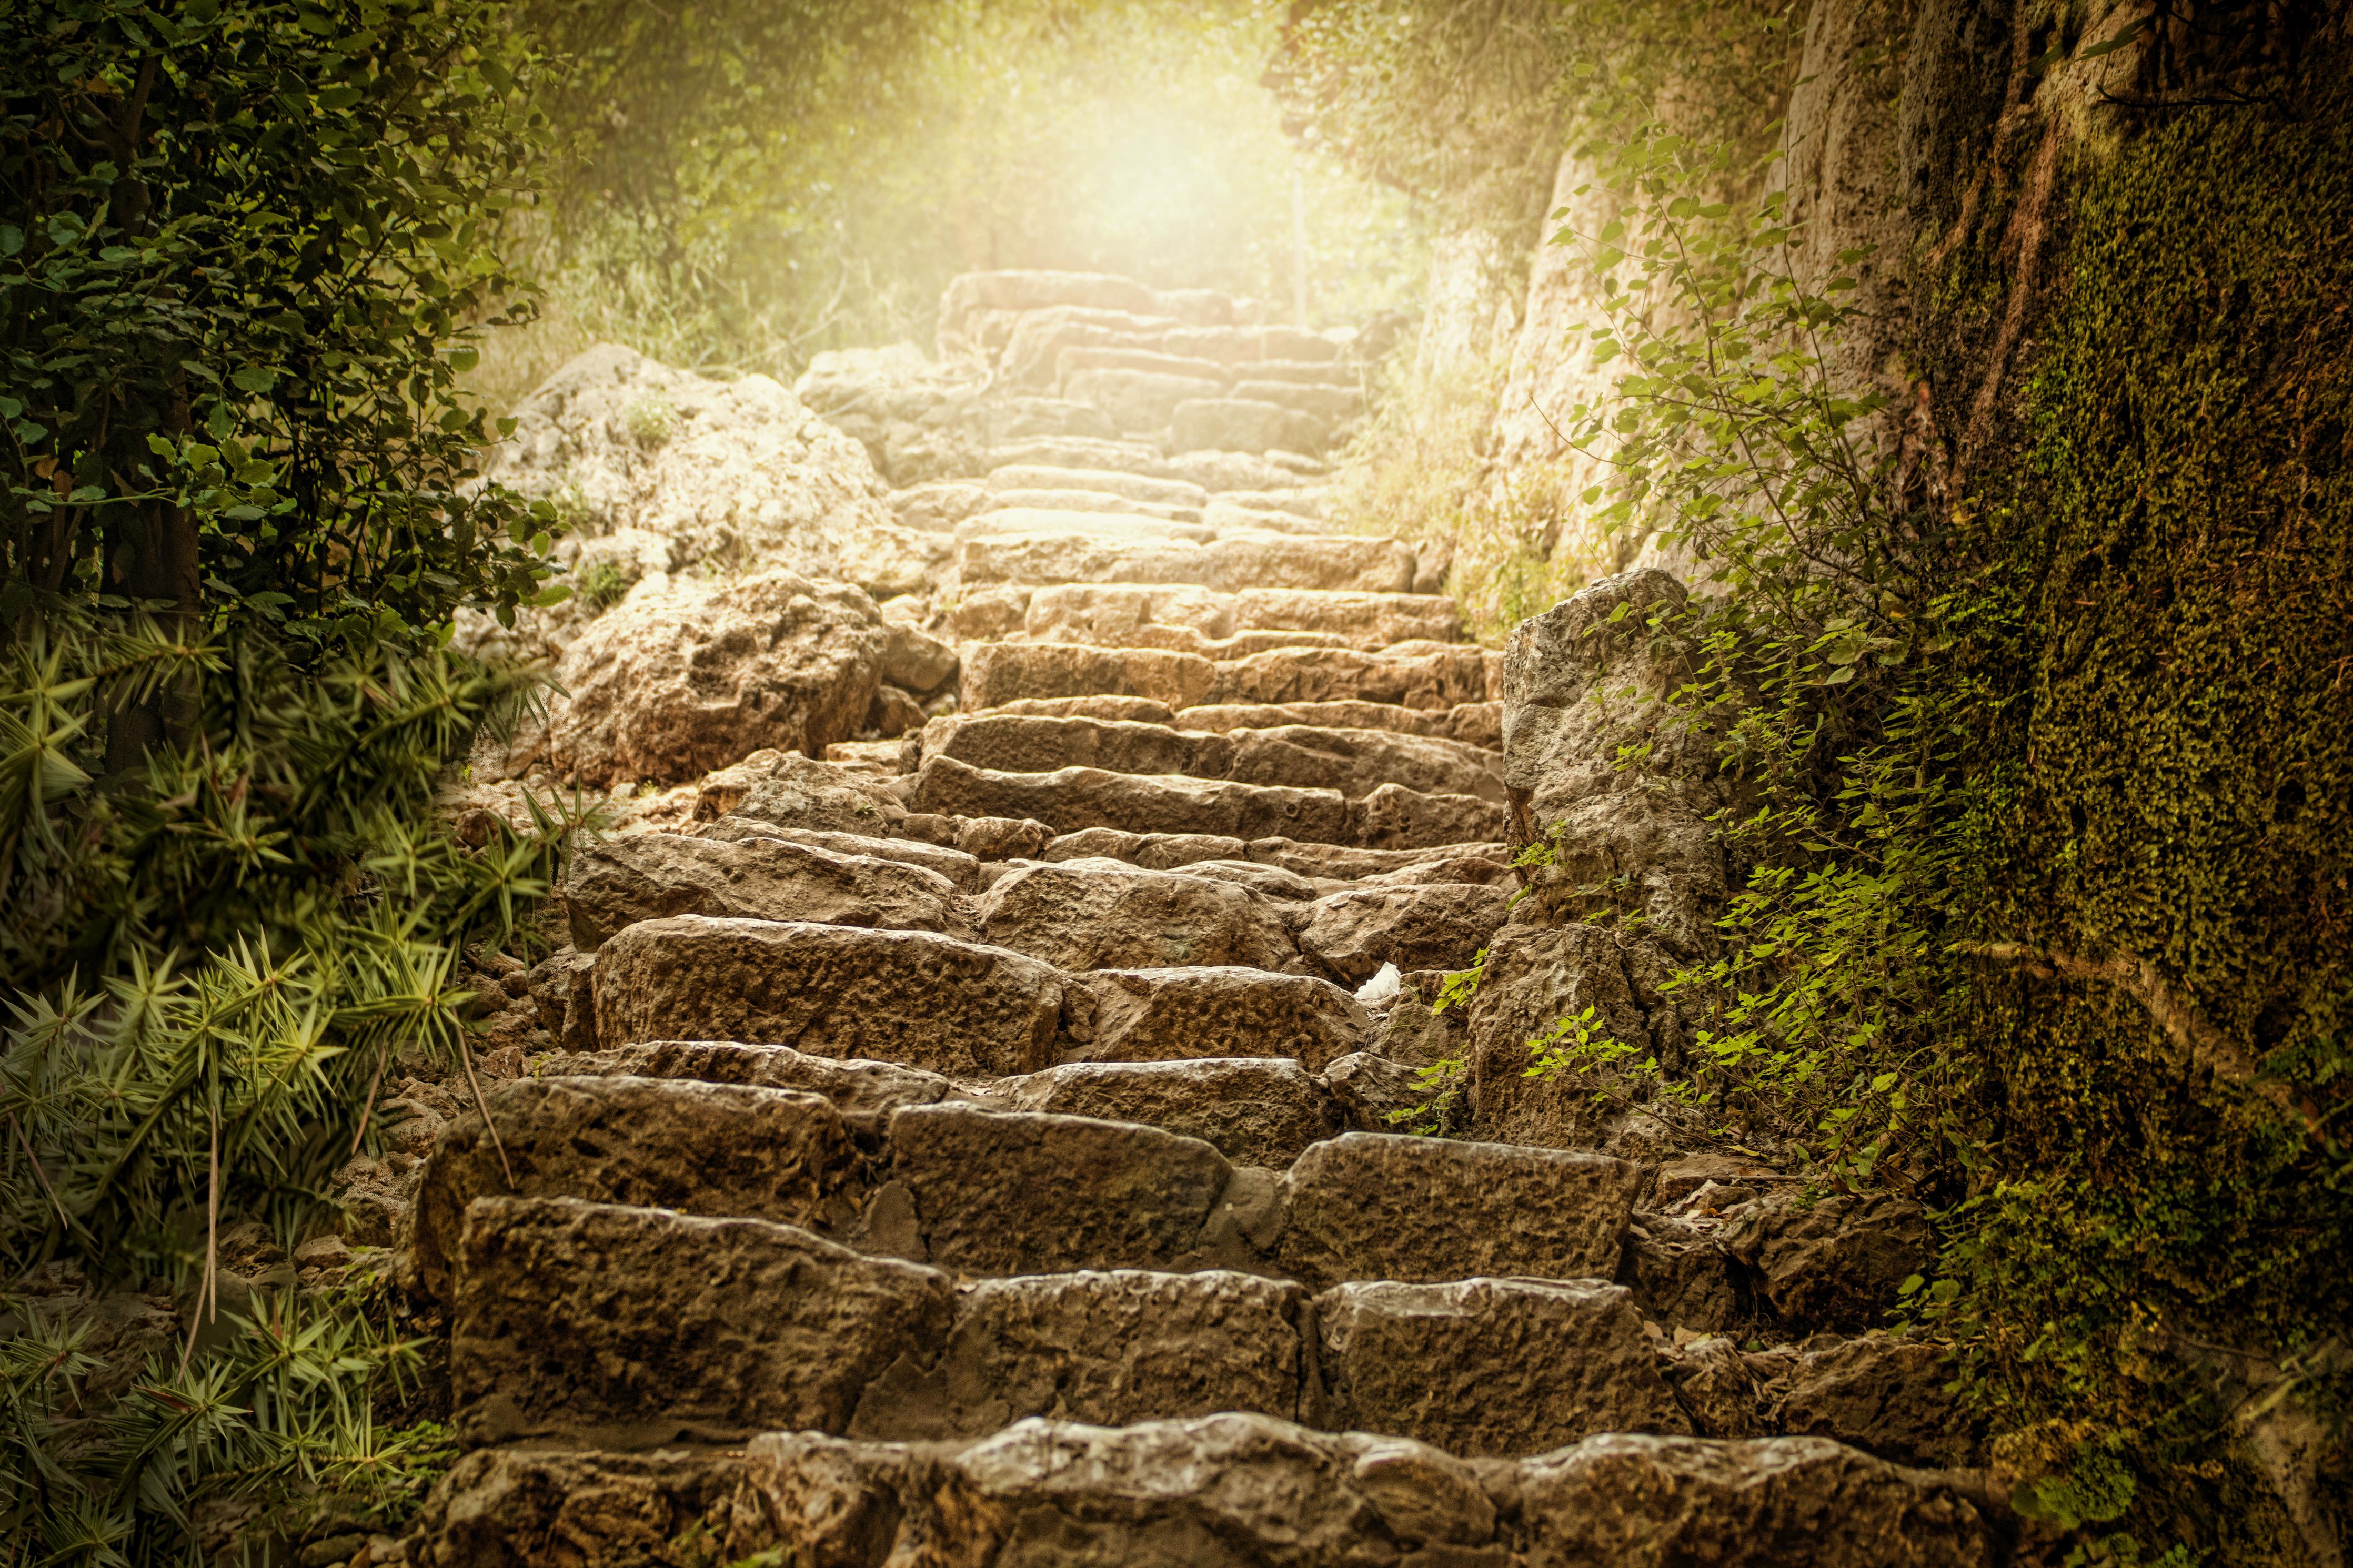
(2036, 704)
(241, 243)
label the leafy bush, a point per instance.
(241, 242)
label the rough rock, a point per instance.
(1430, 927)
(1072, 799)
(857, 1089)
(1174, 1014)
(709, 1149)
(959, 869)
(1534, 977)
(1580, 691)
(1387, 1206)
(1229, 564)
(640, 1325)
(1102, 914)
(998, 673)
(1253, 1110)
(1201, 418)
(1428, 676)
(1492, 1367)
(1472, 723)
(1882, 1394)
(1637, 1499)
(908, 997)
(1029, 1193)
(732, 473)
(798, 791)
(684, 677)
(1108, 1347)
(618, 882)
(499, 1508)
(1836, 1264)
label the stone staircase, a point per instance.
(979, 1147)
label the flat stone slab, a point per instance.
(1428, 676)
(1477, 724)
(908, 997)
(1436, 926)
(1353, 762)
(1253, 1110)
(998, 673)
(857, 1089)
(1131, 486)
(1079, 799)
(1104, 914)
(701, 1148)
(640, 1326)
(617, 882)
(1490, 1367)
(1176, 1015)
(1235, 1489)
(1108, 1347)
(1059, 520)
(1140, 615)
(1229, 564)
(1000, 1193)
(961, 869)
(1370, 1205)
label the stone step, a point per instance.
(603, 1322)
(1233, 519)
(984, 1192)
(1255, 1110)
(1137, 615)
(1353, 762)
(1332, 405)
(1074, 359)
(1254, 560)
(1390, 817)
(1307, 372)
(1424, 675)
(1320, 862)
(1141, 402)
(1009, 525)
(1199, 417)
(976, 1010)
(1100, 503)
(1144, 488)
(1234, 1488)
(1477, 724)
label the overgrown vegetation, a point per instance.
(243, 243)
(2032, 697)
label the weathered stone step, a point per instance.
(1390, 817)
(982, 1192)
(1200, 417)
(1472, 723)
(1234, 1491)
(971, 1010)
(1353, 762)
(1321, 862)
(1122, 615)
(1332, 405)
(1213, 472)
(1143, 488)
(1092, 503)
(1013, 525)
(1423, 675)
(643, 1326)
(1256, 561)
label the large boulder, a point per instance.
(732, 473)
(1585, 685)
(684, 677)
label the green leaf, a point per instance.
(254, 378)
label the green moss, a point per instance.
(2185, 534)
